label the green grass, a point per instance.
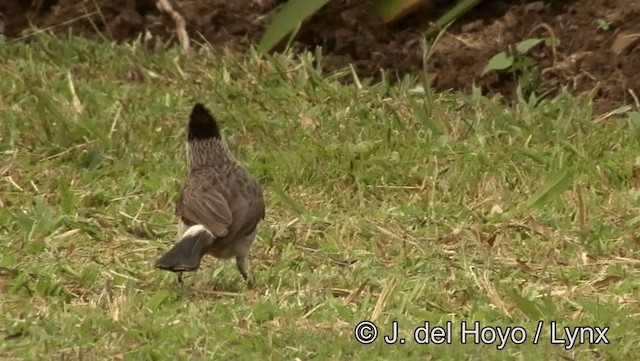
(383, 203)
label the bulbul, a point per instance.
(220, 205)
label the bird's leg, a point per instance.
(180, 278)
(241, 264)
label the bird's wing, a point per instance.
(203, 204)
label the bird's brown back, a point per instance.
(240, 190)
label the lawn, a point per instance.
(384, 203)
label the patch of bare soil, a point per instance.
(597, 43)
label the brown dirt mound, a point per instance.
(597, 43)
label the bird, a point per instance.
(220, 204)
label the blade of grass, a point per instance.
(392, 10)
(286, 20)
(552, 189)
(461, 8)
(287, 199)
(525, 305)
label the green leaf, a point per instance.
(461, 8)
(524, 46)
(157, 299)
(287, 19)
(67, 198)
(499, 61)
(525, 305)
(552, 189)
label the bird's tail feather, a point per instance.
(186, 255)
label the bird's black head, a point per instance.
(202, 125)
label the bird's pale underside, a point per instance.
(220, 205)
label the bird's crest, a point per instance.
(202, 125)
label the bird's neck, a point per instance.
(207, 153)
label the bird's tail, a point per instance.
(186, 255)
